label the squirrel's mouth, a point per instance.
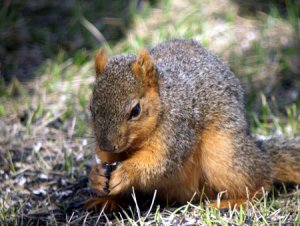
(126, 143)
(122, 147)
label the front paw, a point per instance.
(100, 176)
(120, 180)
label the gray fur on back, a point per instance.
(201, 87)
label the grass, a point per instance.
(266, 210)
(45, 138)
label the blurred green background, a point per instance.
(49, 43)
(47, 49)
(260, 40)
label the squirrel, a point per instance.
(172, 119)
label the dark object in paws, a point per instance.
(109, 168)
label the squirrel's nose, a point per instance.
(106, 146)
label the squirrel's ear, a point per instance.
(144, 68)
(100, 61)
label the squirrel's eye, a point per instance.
(135, 111)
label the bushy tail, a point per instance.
(285, 157)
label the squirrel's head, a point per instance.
(125, 103)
